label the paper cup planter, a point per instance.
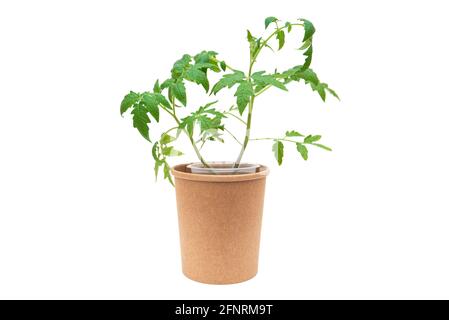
(220, 218)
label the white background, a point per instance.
(81, 215)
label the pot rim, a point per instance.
(179, 172)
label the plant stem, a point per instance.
(247, 134)
(281, 139)
(230, 133)
(251, 101)
(263, 90)
(198, 154)
(238, 118)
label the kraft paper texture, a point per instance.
(220, 218)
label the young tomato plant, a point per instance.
(207, 123)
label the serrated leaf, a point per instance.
(212, 135)
(309, 29)
(130, 99)
(223, 65)
(228, 80)
(188, 124)
(293, 133)
(280, 35)
(267, 79)
(244, 93)
(309, 76)
(157, 164)
(270, 20)
(278, 149)
(181, 66)
(179, 92)
(151, 104)
(322, 146)
(332, 92)
(166, 138)
(167, 83)
(171, 152)
(302, 149)
(167, 174)
(141, 120)
(207, 123)
(321, 91)
(310, 138)
(162, 100)
(320, 88)
(157, 87)
(305, 44)
(196, 75)
(207, 60)
(308, 60)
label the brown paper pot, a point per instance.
(220, 219)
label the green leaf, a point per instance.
(188, 123)
(228, 80)
(207, 60)
(267, 79)
(293, 133)
(288, 25)
(309, 76)
(308, 60)
(321, 91)
(141, 120)
(167, 174)
(196, 75)
(302, 149)
(167, 83)
(280, 35)
(322, 146)
(155, 150)
(332, 92)
(157, 87)
(305, 44)
(212, 135)
(320, 88)
(254, 44)
(181, 66)
(270, 20)
(207, 123)
(166, 138)
(249, 36)
(223, 65)
(171, 152)
(151, 103)
(179, 91)
(309, 29)
(130, 99)
(157, 164)
(278, 149)
(310, 138)
(161, 100)
(244, 93)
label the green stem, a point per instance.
(251, 101)
(238, 118)
(170, 130)
(230, 133)
(248, 130)
(198, 154)
(281, 139)
(263, 90)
